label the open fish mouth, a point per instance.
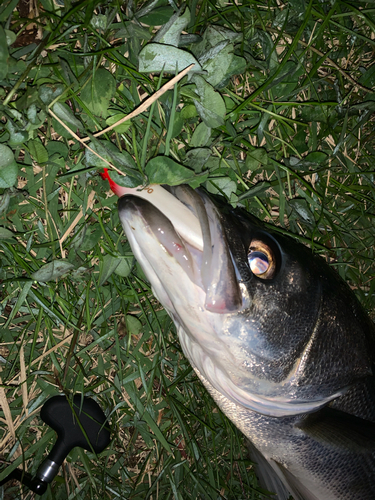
(200, 250)
(195, 277)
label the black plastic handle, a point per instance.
(80, 422)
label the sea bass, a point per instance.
(275, 335)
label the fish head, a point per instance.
(259, 317)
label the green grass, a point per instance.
(292, 139)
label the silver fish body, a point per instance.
(278, 339)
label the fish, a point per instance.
(278, 339)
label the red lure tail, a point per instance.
(114, 187)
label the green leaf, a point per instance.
(132, 178)
(236, 67)
(368, 77)
(65, 114)
(133, 324)
(52, 271)
(148, 418)
(164, 170)
(319, 113)
(197, 158)
(220, 185)
(256, 158)
(49, 92)
(6, 9)
(8, 167)
(215, 34)
(170, 33)
(198, 180)
(90, 239)
(188, 111)
(4, 54)
(125, 266)
(216, 62)
(287, 80)
(4, 201)
(316, 157)
(123, 127)
(98, 92)
(5, 234)
(201, 136)
(108, 266)
(120, 159)
(156, 57)
(16, 136)
(38, 151)
(109, 152)
(302, 208)
(57, 147)
(99, 22)
(157, 16)
(256, 190)
(211, 106)
(10, 37)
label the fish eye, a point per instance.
(258, 262)
(261, 260)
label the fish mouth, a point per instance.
(195, 277)
(201, 250)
